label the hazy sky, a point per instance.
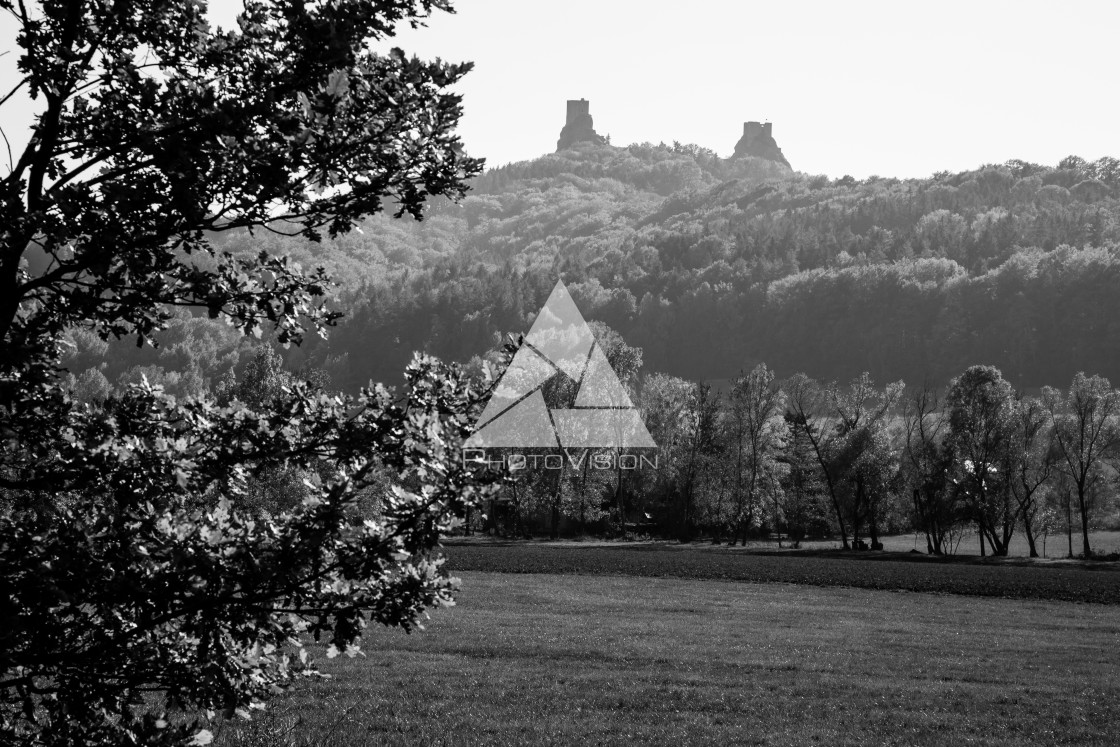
(852, 87)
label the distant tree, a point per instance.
(862, 453)
(90, 386)
(944, 233)
(756, 432)
(981, 424)
(626, 362)
(1074, 163)
(927, 469)
(1107, 170)
(1029, 462)
(699, 443)
(805, 499)
(1086, 433)
(666, 405)
(809, 406)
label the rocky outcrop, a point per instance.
(579, 127)
(758, 141)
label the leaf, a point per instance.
(338, 83)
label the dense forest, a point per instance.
(712, 265)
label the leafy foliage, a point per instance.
(129, 560)
(144, 575)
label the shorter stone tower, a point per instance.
(758, 141)
(579, 128)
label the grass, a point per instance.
(1055, 545)
(577, 659)
(1004, 577)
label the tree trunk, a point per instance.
(1069, 521)
(828, 484)
(1030, 538)
(554, 530)
(1084, 524)
(619, 499)
(686, 519)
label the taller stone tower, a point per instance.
(578, 128)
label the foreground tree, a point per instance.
(125, 567)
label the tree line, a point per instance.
(799, 458)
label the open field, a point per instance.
(1012, 578)
(1052, 546)
(537, 658)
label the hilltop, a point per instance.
(712, 264)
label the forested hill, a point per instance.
(711, 265)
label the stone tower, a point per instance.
(758, 141)
(578, 128)
(578, 108)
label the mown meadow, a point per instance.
(556, 644)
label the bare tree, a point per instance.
(1029, 462)
(927, 463)
(863, 454)
(808, 401)
(757, 432)
(1086, 433)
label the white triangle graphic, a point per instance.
(600, 386)
(525, 372)
(560, 334)
(525, 425)
(603, 417)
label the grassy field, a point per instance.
(579, 659)
(1052, 546)
(1072, 581)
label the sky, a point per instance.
(856, 87)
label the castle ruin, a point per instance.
(758, 141)
(579, 127)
